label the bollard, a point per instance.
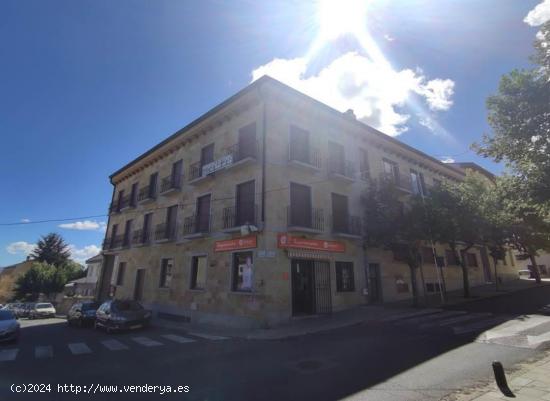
(500, 378)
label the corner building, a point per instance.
(251, 215)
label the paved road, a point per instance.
(407, 357)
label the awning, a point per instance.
(307, 254)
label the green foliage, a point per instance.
(51, 249)
(519, 114)
(44, 278)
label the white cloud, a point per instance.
(25, 221)
(447, 159)
(538, 15)
(20, 247)
(389, 38)
(375, 91)
(84, 225)
(81, 254)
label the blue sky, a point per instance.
(87, 86)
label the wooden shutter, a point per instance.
(300, 205)
(247, 141)
(244, 210)
(203, 213)
(340, 213)
(299, 144)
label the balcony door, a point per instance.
(177, 169)
(299, 144)
(207, 154)
(300, 205)
(244, 208)
(336, 157)
(171, 216)
(203, 214)
(340, 213)
(247, 142)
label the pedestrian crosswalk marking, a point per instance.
(407, 315)
(79, 348)
(43, 352)
(209, 336)
(114, 345)
(8, 354)
(146, 341)
(178, 339)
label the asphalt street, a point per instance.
(403, 359)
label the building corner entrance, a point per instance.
(311, 287)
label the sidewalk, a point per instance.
(529, 381)
(351, 317)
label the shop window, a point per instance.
(166, 272)
(120, 273)
(198, 272)
(344, 277)
(243, 271)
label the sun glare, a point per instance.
(340, 17)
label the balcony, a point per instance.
(401, 181)
(234, 217)
(127, 202)
(349, 226)
(196, 226)
(146, 194)
(308, 159)
(170, 184)
(165, 232)
(307, 221)
(114, 208)
(113, 242)
(242, 153)
(195, 173)
(141, 237)
(106, 244)
(343, 170)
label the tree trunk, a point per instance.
(413, 285)
(495, 261)
(424, 295)
(535, 268)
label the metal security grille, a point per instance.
(323, 299)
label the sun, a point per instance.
(341, 17)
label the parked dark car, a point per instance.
(22, 309)
(82, 313)
(116, 315)
(9, 326)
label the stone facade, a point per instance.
(164, 271)
(8, 278)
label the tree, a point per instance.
(453, 218)
(519, 115)
(44, 278)
(396, 226)
(51, 249)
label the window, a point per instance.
(120, 200)
(243, 271)
(245, 208)
(391, 169)
(471, 258)
(451, 258)
(165, 272)
(177, 172)
(147, 219)
(300, 205)
(153, 178)
(134, 194)
(127, 233)
(198, 272)
(203, 214)
(120, 273)
(340, 217)
(344, 277)
(299, 145)
(247, 142)
(364, 164)
(336, 158)
(207, 155)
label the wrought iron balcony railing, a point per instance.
(141, 237)
(165, 232)
(310, 155)
(349, 225)
(400, 180)
(344, 168)
(147, 193)
(312, 218)
(243, 150)
(236, 216)
(197, 224)
(170, 183)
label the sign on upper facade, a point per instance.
(235, 244)
(216, 165)
(288, 241)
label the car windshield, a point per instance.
(91, 306)
(127, 306)
(43, 306)
(6, 315)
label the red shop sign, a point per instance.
(235, 244)
(288, 241)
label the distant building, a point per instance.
(9, 276)
(86, 286)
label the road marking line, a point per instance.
(209, 336)
(8, 354)
(468, 328)
(79, 348)
(146, 341)
(406, 315)
(43, 352)
(114, 345)
(434, 316)
(178, 339)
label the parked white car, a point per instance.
(42, 309)
(9, 326)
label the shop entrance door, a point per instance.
(311, 289)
